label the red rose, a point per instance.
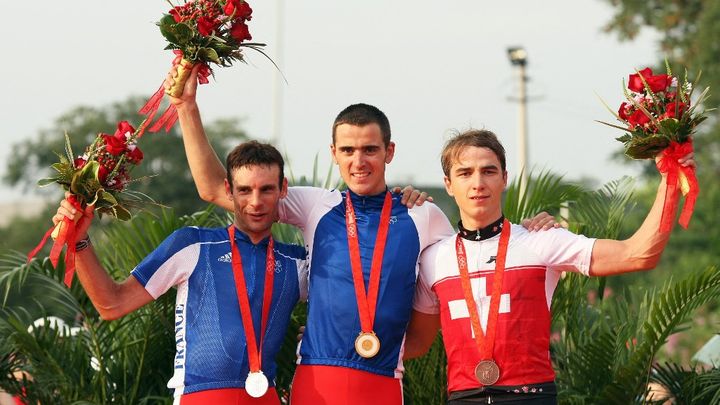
(656, 83)
(79, 163)
(205, 26)
(135, 156)
(115, 146)
(123, 128)
(623, 111)
(240, 31)
(638, 118)
(671, 107)
(102, 174)
(241, 9)
(175, 12)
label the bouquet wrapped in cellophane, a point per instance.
(660, 117)
(98, 177)
(201, 32)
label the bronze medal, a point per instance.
(367, 344)
(487, 372)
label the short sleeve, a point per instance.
(169, 264)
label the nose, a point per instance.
(358, 159)
(254, 199)
(478, 183)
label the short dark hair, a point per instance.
(254, 153)
(363, 114)
(480, 138)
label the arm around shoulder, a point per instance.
(421, 333)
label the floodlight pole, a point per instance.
(518, 58)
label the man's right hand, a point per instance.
(83, 219)
(190, 89)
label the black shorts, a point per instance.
(535, 394)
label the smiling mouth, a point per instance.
(360, 175)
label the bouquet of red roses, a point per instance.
(658, 116)
(98, 177)
(204, 32)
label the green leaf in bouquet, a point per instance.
(85, 182)
(121, 213)
(65, 172)
(179, 34)
(183, 33)
(670, 127)
(208, 54)
(107, 197)
(68, 149)
(646, 148)
(44, 182)
(167, 28)
(625, 138)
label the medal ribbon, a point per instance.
(367, 302)
(485, 342)
(254, 354)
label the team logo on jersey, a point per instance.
(278, 266)
(393, 219)
(226, 258)
(492, 259)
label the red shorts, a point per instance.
(229, 396)
(329, 385)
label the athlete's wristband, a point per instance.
(82, 244)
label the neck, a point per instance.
(472, 224)
(380, 190)
(255, 237)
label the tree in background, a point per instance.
(165, 159)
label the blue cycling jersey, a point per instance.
(211, 349)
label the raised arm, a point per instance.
(207, 170)
(643, 249)
(111, 299)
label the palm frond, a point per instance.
(543, 192)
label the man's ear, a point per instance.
(284, 188)
(332, 153)
(446, 180)
(228, 189)
(390, 152)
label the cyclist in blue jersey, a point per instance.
(236, 287)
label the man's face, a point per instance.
(477, 181)
(255, 193)
(361, 155)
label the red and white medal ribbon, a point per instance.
(367, 343)
(256, 384)
(487, 371)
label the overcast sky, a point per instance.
(431, 66)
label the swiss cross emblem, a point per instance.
(458, 308)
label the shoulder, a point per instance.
(290, 251)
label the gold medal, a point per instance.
(487, 372)
(367, 344)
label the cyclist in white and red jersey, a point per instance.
(490, 286)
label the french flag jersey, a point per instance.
(333, 320)
(534, 263)
(211, 350)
